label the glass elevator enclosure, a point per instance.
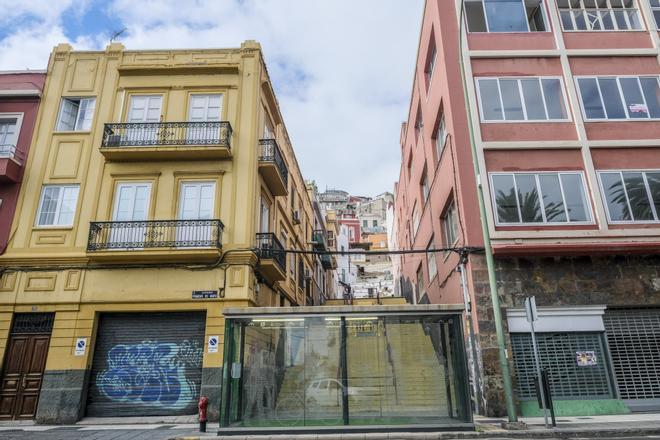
(332, 366)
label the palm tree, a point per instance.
(530, 208)
(634, 187)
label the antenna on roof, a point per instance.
(116, 34)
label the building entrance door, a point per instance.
(24, 365)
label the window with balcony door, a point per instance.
(655, 9)
(57, 205)
(204, 108)
(144, 112)
(264, 215)
(76, 114)
(196, 204)
(130, 211)
(416, 219)
(620, 97)
(599, 15)
(631, 196)
(505, 16)
(533, 198)
(9, 128)
(521, 99)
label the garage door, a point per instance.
(147, 364)
(633, 336)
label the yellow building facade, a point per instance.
(160, 188)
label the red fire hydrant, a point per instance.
(202, 405)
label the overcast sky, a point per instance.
(342, 69)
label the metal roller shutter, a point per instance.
(147, 364)
(633, 336)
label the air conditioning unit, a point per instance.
(296, 217)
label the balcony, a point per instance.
(11, 162)
(272, 258)
(161, 240)
(167, 140)
(272, 167)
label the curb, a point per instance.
(522, 434)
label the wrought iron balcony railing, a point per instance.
(269, 151)
(129, 235)
(269, 247)
(319, 237)
(149, 134)
(10, 151)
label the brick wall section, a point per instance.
(618, 280)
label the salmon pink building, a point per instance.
(20, 93)
(562, 101)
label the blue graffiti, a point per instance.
(151, 373)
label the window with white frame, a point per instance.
(57, 205)
(655, 9)
(76, 114)
(522, 198)
(599, 15)
(449, 221)
(505, 16)
(430, 60)
(631, 196)
(419, 122)
(8, 136)
(620, 97)
(416, 219)
(420, 282)
(424, 184)
(440, 136)
(430, 260)
(521, 99)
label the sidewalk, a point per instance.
(567, 427)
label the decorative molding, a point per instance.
(40, 282)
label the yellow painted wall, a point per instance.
(50, 269)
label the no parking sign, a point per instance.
(81, 345)
(213, 344)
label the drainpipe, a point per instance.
(488, 250)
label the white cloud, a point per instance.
(342, 69)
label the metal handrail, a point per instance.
(149, 134)
(269, 247)
(269, 151)
(125, 235)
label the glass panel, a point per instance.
(533, 99)
(530, 208)
(534, 10)
(490, 100)
(620, 17)
(506, 16)
(400, 371)
(612, 98)
(49, 200)
(652, 95)
(591, 102)
(505, 199)
(656, 15)
(566, 20)
(513, 110)
(634, 100)
(615, 195)
(474, 12)
(554, 99)
(580, 21)
(638, 196)
(553, 202)
(576, 200)
(606, 18)
(633, 19)
(68, 209)
(68, 114)
(299, 371)
(654, 185)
